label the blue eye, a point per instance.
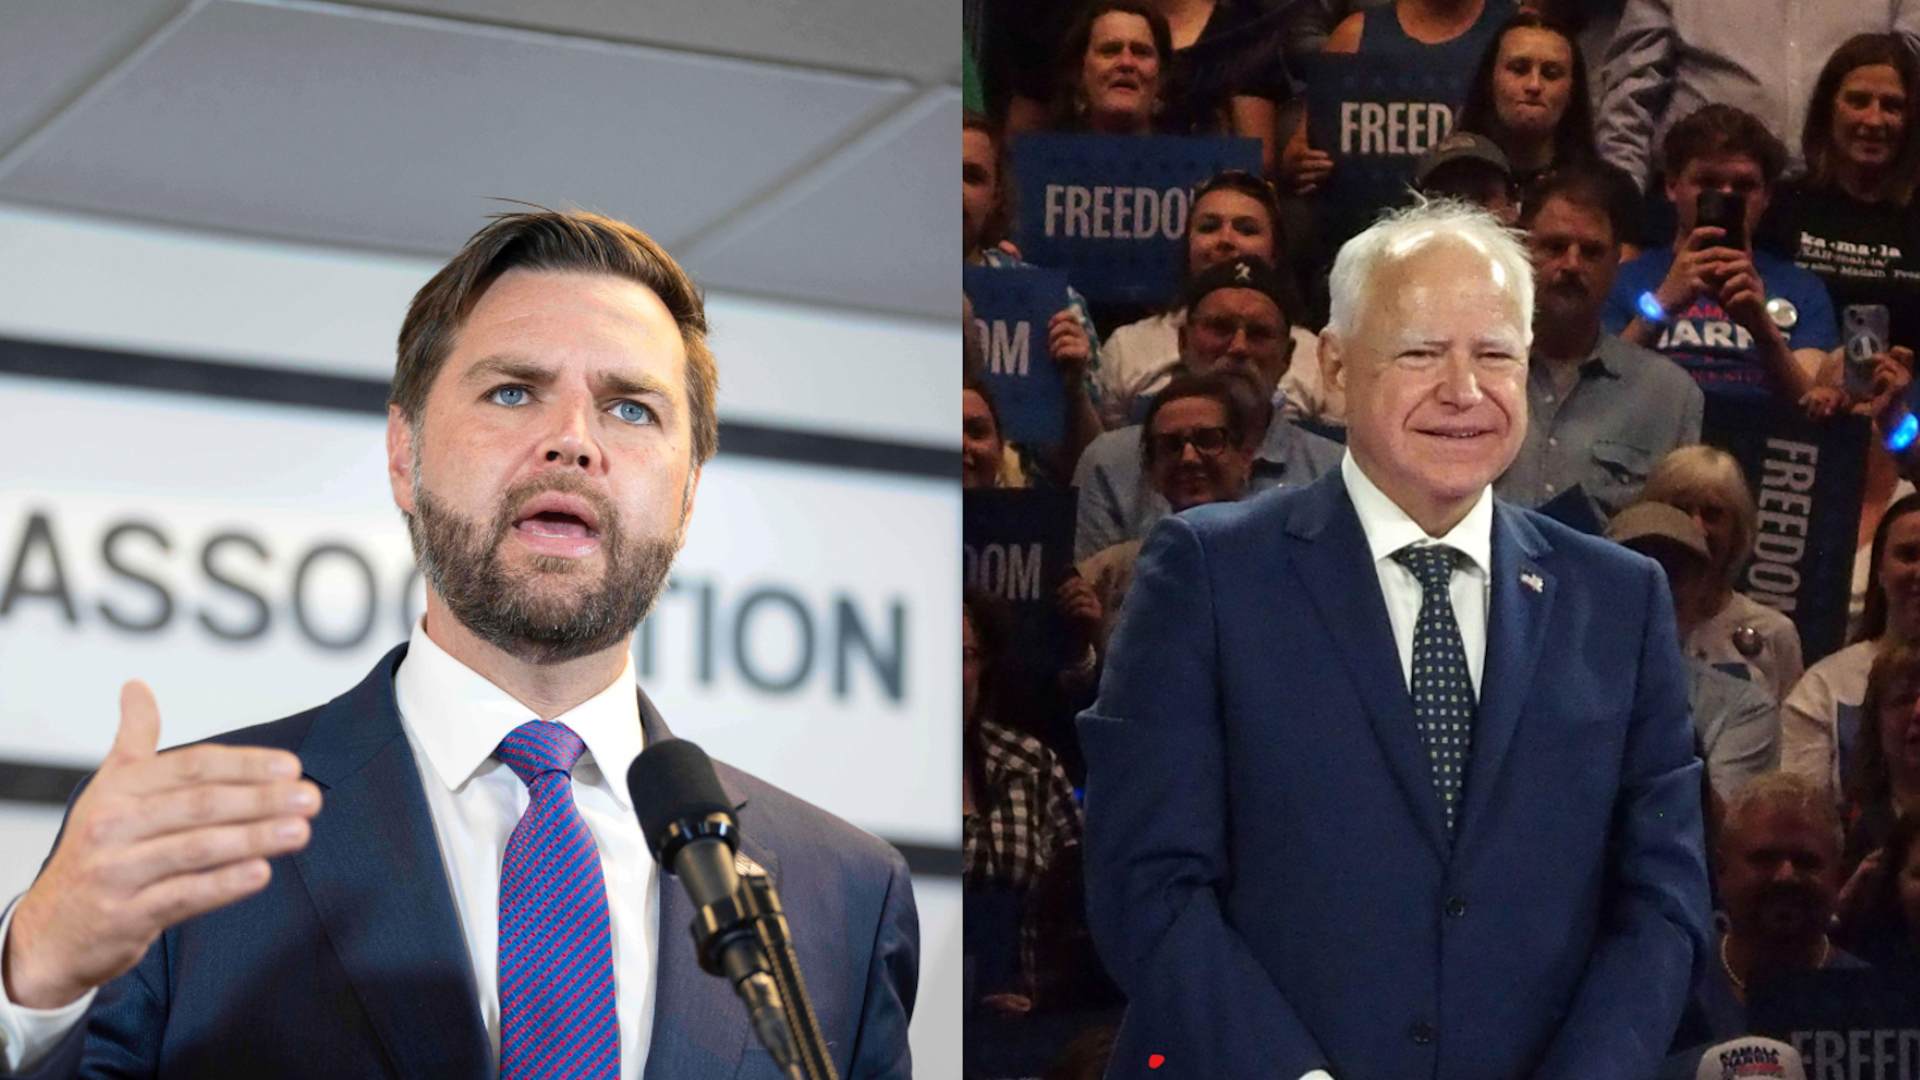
(508, 395)
(633, 412)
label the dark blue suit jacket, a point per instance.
(1268, 877)
(352, 964)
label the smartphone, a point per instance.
(1723, 210)
(1864, 328)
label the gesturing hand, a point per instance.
(155, 839)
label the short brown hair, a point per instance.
(542, 239)
(1723, 129)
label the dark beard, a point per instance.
(515, 614)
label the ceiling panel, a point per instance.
(51, 50)
(884, 214)
(325, 124)
(919, 39)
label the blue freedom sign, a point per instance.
(1859, 1023)
(1375, 121)
(1018, 546)
(1807, 478)
(1111, 210)
(1011, 310)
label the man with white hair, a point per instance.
(1388, 778)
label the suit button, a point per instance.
(1456, 907)
(1423, 1033)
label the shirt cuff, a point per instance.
(27, 1036)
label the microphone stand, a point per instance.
(770, 926)
(768, 976)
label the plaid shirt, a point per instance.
(1027, 814)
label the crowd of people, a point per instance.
(1718, 204)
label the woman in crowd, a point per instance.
(1880, 906)
(1234, 216)
(1072, 341)
(1863, 162)
(1529, 95)
(1850, 222)
(1882, 779)
(1113, 77)
(1735, 632)
(1219, 71)
(1821, 718)
(986, 460)
(1017, 806)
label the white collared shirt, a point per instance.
(454, 719)
(1388, 529)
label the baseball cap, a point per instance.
(1246, 272)
(1644, 520)
(1460, 146)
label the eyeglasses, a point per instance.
(1207, 441)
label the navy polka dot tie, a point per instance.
(1443, 701)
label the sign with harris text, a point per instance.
(1111, 210)
(1012, 308)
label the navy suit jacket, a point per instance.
(1268, 876)
(352, 961)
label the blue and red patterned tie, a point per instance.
(556, 951)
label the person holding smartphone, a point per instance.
(1848, 221)
(1742, 322)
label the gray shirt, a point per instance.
(1627, 408)
(1737, 725)
(1117, 503)
(1670, 57)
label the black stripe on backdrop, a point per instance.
(343, 393)
(51, 784)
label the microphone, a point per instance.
(690, 830)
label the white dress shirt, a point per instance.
(454, 719)
(1389, 529)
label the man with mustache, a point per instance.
(440, 872)
(1236, 322)
(1603, 410)
(1777, 858)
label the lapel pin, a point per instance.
(1533, 581)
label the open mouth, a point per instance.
(552, 523)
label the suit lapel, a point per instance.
(374, 872)
(1519, 607)
(699, 1026)
(1336, 567)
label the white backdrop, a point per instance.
(245, 558)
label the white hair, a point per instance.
(1400, 233)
